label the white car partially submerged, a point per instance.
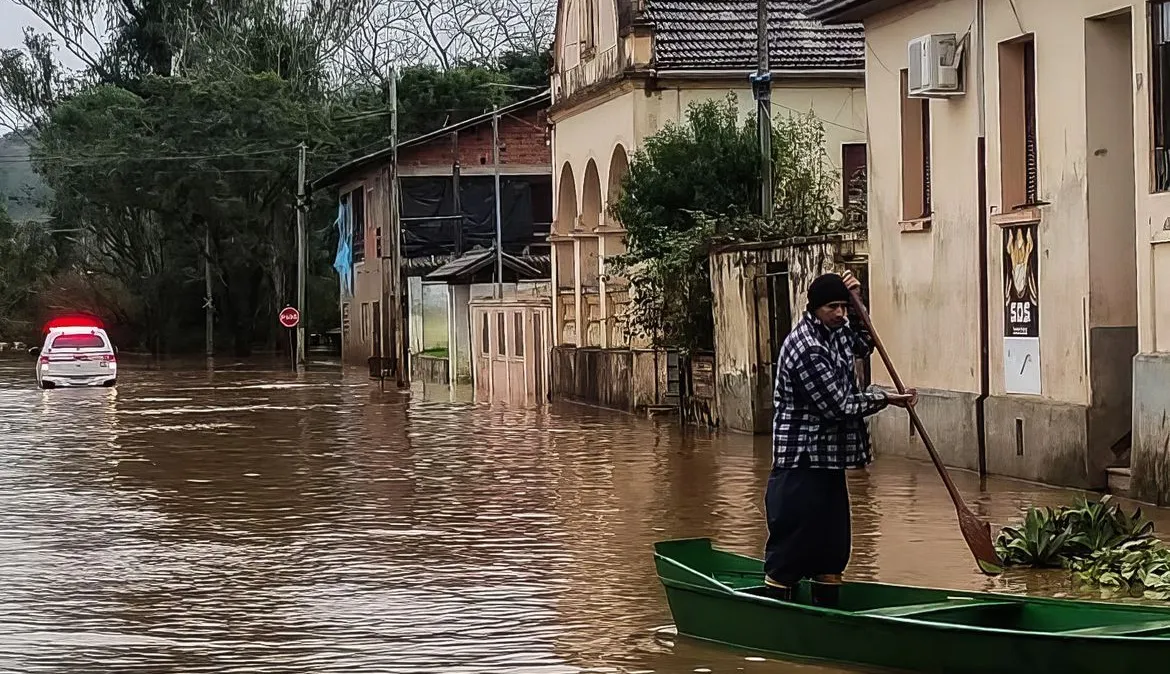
(76, 356)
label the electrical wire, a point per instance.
(805, 112)
(12, 159)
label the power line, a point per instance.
(12, 159)
(826, 121)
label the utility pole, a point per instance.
(300, 358)
(382, 327)
(208, 304)
(401, 347)
(762, 88)
(499, 228)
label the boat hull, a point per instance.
(912, 629)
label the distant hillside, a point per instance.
(20, 187)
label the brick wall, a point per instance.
(523, 141)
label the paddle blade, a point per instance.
(977, 533)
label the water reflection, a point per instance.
(252, 519)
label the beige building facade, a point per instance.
(1019, 216)
(623, 69)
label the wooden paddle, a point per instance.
(976, 532)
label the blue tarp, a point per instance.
(343, 262)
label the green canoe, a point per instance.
(713, 596)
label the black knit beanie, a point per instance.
(825, 289)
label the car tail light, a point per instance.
(44, 360)
(109, 358)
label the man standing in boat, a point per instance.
(818, 433)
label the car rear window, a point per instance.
(78, 342)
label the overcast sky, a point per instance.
(14, 19)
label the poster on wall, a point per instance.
(1021, 282)
(1021, 365)
(1021, 315)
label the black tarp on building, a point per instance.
(431, 225)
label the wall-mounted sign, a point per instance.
(1021, 310)
(1021, 288)
(1021, 365)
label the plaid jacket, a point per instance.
(819, 409)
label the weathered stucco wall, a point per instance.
(744, 348)
(925, 294)
(593, 132)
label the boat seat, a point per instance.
(915, 610)
(1122, 629)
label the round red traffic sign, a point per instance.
(289, 317)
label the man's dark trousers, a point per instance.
(808, 524)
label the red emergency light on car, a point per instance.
(73, 321)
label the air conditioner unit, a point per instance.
(933, 62)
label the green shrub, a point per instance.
(1098, 541)
(1043, 541)
(1140, 565)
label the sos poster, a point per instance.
(1021, 288)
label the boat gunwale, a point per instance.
(724, 590)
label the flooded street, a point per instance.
(251, 520)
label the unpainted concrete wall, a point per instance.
(620, 379)
(949, 418)
(460, 349)
(743, 348)
(1150, 456)
(429, 369)
(650, 380)
(1039, 440)
(1112, 351)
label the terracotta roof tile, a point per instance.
(708, 34)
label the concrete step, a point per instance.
(660, 410)
(1119, 479)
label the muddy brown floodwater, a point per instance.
(253, 520)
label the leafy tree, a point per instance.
(149, 177)
(526, 68)
(430, 98)
(182, 126)
(27, 257)
(695, 185)
(20, 186)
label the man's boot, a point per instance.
(774, 590)
(826, 590)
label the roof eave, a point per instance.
(831, 12)
(477, 262)
(777, 74)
